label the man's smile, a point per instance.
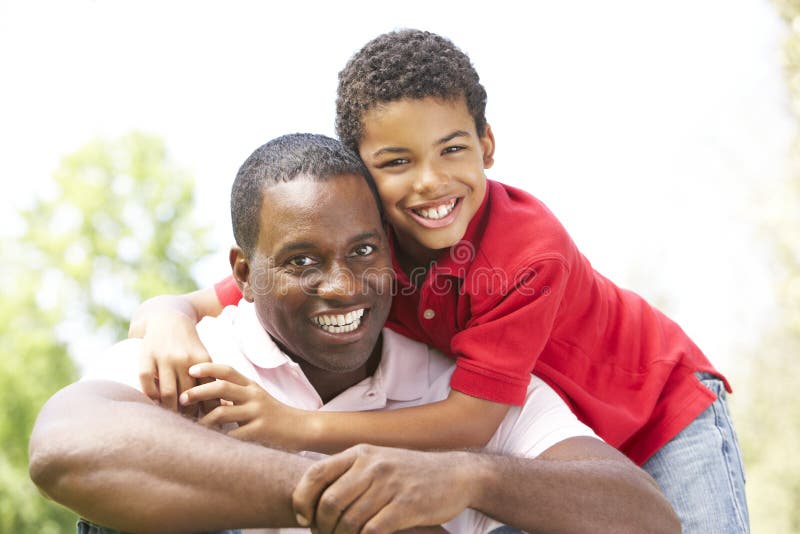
(340, 323)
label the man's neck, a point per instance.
(329, 384)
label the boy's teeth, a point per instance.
(436, 212)
(340, 323)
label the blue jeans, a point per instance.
(85, 527)
(700, 471)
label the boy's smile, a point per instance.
(427, 160)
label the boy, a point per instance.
(486, 274)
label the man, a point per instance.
(312, 262)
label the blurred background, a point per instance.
(664, 135)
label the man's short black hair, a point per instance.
(282, 160)
(405, 64)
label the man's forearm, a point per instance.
(558, 494)
(105, 451)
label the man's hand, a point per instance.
(259, 416)
(170, 346)
(382, 490)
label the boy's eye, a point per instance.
(451, 149)
(394, 163)
(301, 261)
(363, 250)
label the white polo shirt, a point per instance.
(409, 374)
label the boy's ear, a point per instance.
(240, 266)
(487, 145)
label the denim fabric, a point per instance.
(700, 471)
(85, 527)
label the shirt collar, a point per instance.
(254, 342)
(402, 374)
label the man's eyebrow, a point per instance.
(295, 246)
(366, 236)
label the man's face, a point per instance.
(428, 161)
(321, 273)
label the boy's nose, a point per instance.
(429, 180)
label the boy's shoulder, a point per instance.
(515, 229)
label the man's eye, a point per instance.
(451, 149)
(301, 261)
(363, 250)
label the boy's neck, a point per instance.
(415, 260)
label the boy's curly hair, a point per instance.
(405, 64)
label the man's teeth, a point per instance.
(437, 212)
(341, 323)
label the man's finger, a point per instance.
(218, 371)
(391, 518)
(363, 507)
(333, 513)
(319, 476)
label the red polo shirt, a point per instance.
(516, 296)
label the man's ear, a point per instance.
(487, 146)
(240, 266)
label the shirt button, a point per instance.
(429, 314)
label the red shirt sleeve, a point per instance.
(507, 332)
(228, 292)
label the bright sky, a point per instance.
(654, 130)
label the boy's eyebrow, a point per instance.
(399, 150)
(389, 150)
(452, 135)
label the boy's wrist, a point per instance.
(310, 431)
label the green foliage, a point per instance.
(767, 405)
(114, 229)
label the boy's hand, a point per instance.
(260, 417)
(170, 346)
(384, 489)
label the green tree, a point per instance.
(113, 228)
(768, 406)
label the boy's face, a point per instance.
(428, 161)
(321, 273)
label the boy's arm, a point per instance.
(457, 422)
(194, 306)
(171, 345)
(105, 451)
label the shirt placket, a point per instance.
(435, 311)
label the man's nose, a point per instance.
(336, 282)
